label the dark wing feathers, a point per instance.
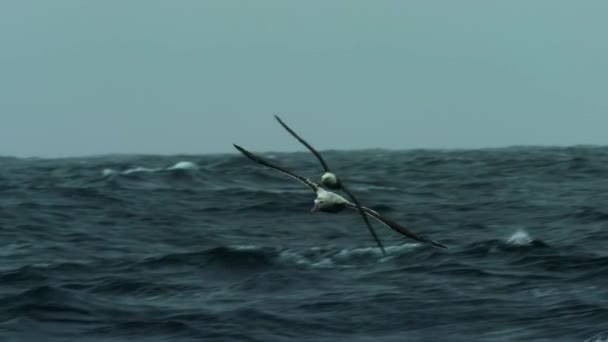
(314, 186)
(397, 227)
(369, 224)
(325, 167)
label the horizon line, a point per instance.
(327, 150)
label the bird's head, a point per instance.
(319, 203)
(330, 180)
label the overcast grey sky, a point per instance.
(117, 76)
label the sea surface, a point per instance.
(218, 248)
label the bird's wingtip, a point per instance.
(439, 245)
(432, 242)
(242, 150)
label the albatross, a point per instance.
(331, 202)
(331, 181)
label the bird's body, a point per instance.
(329, 202)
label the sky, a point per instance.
(162, 77)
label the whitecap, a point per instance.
(391, 251)
(139, 169)
(520, 238)
(183, 165)
(318, 257)
(347, 254)
(108, 172)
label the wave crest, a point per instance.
(182, 165)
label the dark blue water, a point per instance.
(129, 248)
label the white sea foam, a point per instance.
(139, 169)
(108, 172)
(183, 165)
(318, 257)
(520, 238)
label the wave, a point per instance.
(589, 215)
(232, 258)
(600, 337)
(248, 258)
(23, 277)
(179, 166)
(54, 305)
(586, 266)
(519, 241)
(50, 304)
(183, 165)
(134, 327)
(520, 238)
(142, 288)
(318, 257)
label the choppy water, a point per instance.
(216, 248)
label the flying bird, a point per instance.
(331, 202)
(331, 181)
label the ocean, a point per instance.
(218, 248)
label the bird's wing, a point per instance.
(323, 163)
(396, 226)
(314, 186)
(365, 219)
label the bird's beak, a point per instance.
(314, 208)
